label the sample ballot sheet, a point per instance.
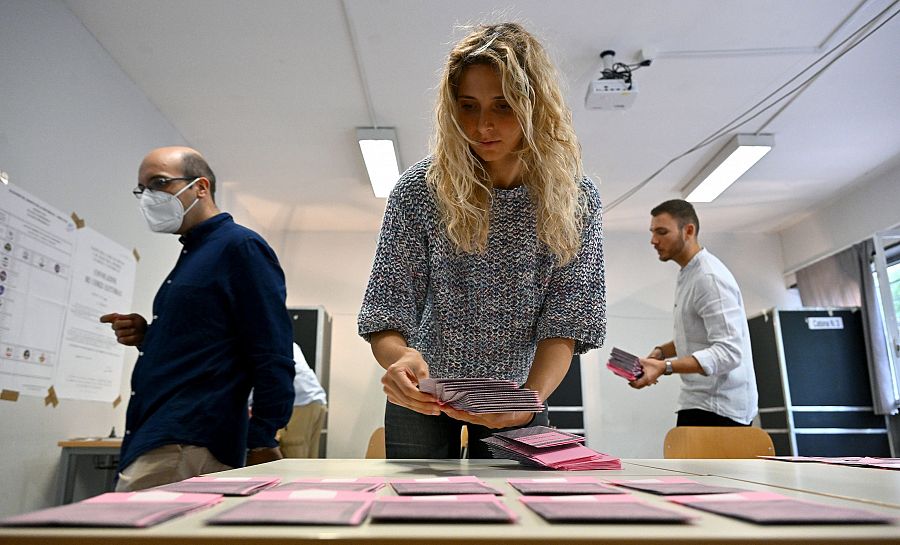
(55, 282)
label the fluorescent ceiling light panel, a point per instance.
(736, 158)
(380, 152)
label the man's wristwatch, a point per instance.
(668, 370)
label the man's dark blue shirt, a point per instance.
(219, 328)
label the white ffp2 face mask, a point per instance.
(163, 211)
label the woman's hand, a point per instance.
(400, 383)
(490, 420)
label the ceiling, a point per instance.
(271, 92)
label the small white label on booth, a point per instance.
(825, 322)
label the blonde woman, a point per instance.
(490, 260)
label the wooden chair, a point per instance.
(717, 442)
(376, 444)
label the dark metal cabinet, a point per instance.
(565, 404)
(312, 332)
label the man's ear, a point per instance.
(690, 230)
(203, 187)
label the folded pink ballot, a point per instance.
(351, 484)
(452, 508)
(545, 447)
(229, 486)
(540, 437)
(562, 486)
(442, 485)
(666, 486)
(308, 507)
(771, 508)
(606, 508)
(118, 509)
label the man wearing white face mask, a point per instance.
(219, 328)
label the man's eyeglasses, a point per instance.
(157, 184)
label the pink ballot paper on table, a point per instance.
(606, 508)
(552, 486)
(667, 486)
(331, 507)
(118, 509)
(442, 485)
(771, 508)
(229, 486)
(350, 484)
(470, 508)
(860, 461)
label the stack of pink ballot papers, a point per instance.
(332, 507)
(351, 484)
(118, 509)
(229, 486)
(670, 486)
(771, 508)
(429, 486)
(627, 366)
(546, 447)
(469, 508)
(607, 508)
(558, 486)
(482, 395)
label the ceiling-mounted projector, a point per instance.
(614, 89)
(610, 94)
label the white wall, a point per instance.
(331, 269)
(73, 129)
(873, 204)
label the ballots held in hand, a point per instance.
(482, 395)
(627, 366)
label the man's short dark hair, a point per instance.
(195, 166)
(682, 211)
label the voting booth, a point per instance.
(812, 374)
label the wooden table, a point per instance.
(72, 449)
(531, 529)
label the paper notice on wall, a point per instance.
(55, 282)
(102, 278)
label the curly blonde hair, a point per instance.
(550, 154)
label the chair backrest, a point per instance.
(464, 442)
(376, 444)
(717, 442)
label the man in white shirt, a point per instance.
(300, 438)
(711, 348)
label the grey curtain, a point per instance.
(845, 280)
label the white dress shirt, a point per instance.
(306, 386)
(710, 324)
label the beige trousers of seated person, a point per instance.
(168, 464)
(300, 438)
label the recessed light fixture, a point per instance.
(736, 158)
(381, 154)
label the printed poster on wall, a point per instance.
(55, 282)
